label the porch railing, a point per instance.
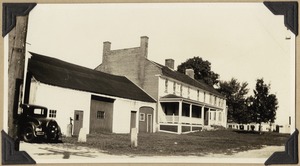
(184, 119)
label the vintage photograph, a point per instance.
(150, 82)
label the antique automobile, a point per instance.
(34, 124)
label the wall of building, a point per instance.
(64, 101)
(122, 113)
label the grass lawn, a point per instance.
(198, 144)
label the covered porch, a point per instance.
(180, 115)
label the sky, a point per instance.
(241, 40)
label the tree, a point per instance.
(202, 70)
(263, 105)
(235, 93)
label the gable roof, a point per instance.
(188, 80)
(56, 72)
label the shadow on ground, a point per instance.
(65, 153)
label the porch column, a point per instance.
(179, 117)
(209, 116)
(190, 111)
(202, 114)
(191, 116)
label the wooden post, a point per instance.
(16, 62)
(202, 115)
(179, 117)
(133, 137)
(191, 117)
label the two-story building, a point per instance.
(183, 103)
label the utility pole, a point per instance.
(16, 61)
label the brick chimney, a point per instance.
(169, 63)
(144, 46)
(106, 47)
(190, 73)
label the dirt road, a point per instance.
(68, 153)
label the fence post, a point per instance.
(133, 137)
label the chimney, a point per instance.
(144, 46)
(190, 73)
(169, 63)
(106, 47)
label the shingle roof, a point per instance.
(63, 74)
(188, 80)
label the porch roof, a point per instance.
(175, 98)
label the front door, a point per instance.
(78, 121)
(149, 123)
(133, 120)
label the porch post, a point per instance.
(202, 114)
(209, 116)
(179, 117)
(217, 116)
(191, 117)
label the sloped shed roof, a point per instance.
(63, 74)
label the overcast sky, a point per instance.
(241, 40)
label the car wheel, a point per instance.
(28, 134)
(52, 134)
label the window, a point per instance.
(189, 92)
(174, 88)
(215, 103)
(220, 116)
(210, 99)
(100, 114)
(52, 113)
(198, 94)
(180, 90)
(166, 85)
(204, 97)
(142, 117)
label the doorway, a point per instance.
(78, 121)
(149, 123)
(133, 120)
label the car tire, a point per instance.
(28, 134)
(52, 131)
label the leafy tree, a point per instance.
(263, 105)
(235, 93)
(202, 70)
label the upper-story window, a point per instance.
(189, 91)
(198, 94)
(210, 99)
(181, 90)
(174, 88)
(166, 85)
(204, 97)
(215, 98)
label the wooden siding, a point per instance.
(101, 124)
